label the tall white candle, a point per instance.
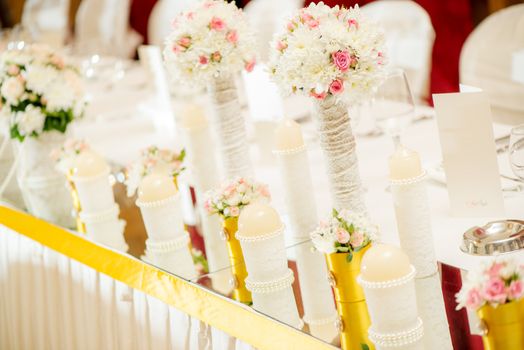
(387, 280)
(95, 193)
(168, 241)
(205, 175)
(260, 232)
(319, 308)
(414, 227)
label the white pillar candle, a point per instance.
(260, 232)
(412, 211)
(387, 279)
(319, 308)
(95, 193)
(168, 241)
(203, 168)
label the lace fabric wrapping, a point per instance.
(99, 210)
(319, 307)
(203, 167)
(269, 278)
(44, 188)
(414, 226)
(230, 126)
(338, 145)
(168, 243)
(12, 191)
(393, 310)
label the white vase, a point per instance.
(44, 189)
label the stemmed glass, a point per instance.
(516, 151)
(393, 108)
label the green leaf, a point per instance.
(349, 257)
(182, 155)
(351, 229)
(364, 346)
(334, 213)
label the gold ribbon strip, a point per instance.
(211, 308)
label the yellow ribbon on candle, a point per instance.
(350, 300)
(236, 259)
(503, 326)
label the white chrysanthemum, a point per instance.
(12, 89)
(210, 40)
(328, 51)
(29, 121)
(59, 98)
(38, 77)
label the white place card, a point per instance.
(469, 153)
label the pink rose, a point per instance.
(318, 96)
(313, 23)
(209, 4)
(234, 211)
(58, 61)
(207, 206)
(281, 46)
(264, 191)
(178, 49)
(291, 26)
(353, 22)
(515, 290)
(494, 269)
(250, 65)
(305, 17)
(185, 42)
(357, 239)
(342, 60)
(229, 190)
(342, 236)
(190, 15)
(336, 87)
(232, 36)
(474, 299)
(203, 60)
(495, 290)
(13, 70)
(217, 24)
(216, 56)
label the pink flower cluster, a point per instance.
(233, 196)
(500, 283)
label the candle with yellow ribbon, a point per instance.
(228, 201)
(344, 239)
(496, 294)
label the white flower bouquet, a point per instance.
(211, 39)
(328, 51)
(153, 159)
(500, 282)
(65, 155)
(232, 197)
(39, 92)
(345, 232)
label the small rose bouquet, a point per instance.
(328, 52)
(210, 40)
(233, 196)
(200, 261)
(345, 232)
(500, 282)
(39, 92)
(153, 159)
(65, 156)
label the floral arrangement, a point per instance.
(212, 39)
(500, 282)
(153, 158)
(39, 92)
(65, 155)
(233, 196)
(345, 232)
(328, 51)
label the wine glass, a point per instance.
(516, 151)
(393, 108)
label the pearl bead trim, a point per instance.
(261, 238)
(157, 204)
(410, 181)
(163, 247)
(321, 321)
(271, 286)
(388, 284)
(398, 339)
(291, 151)
(101, 216)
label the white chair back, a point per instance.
(162, 16)
(46, 20)
(409, 37)
(492, 58)
(102, 27)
